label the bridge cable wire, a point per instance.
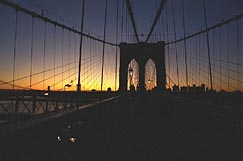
(223, 22)
(159, 26)
(96, 69)
(69, 51)
(226, 68)
(219, 72)
(75, 50)
(15, 46)
(54, 60)
(208, 48)
(11, 84)
(168, 48)
(48, 78)
(103, 49)
(225, 75)
(75, 72)
(199, 55)
(238, 50)
(170, 79)
(213, 55)
(126, 25)
(185, 45)
(90, 58)
(31, 50)
(46, 19)
(174, 25)
(44, 56)
(220, 58)
(192, 62)
(87, 63)
(131, 15)
(228, 56)
(37, 73)
(163, 28)
(122, 17)
(54, 84)
(62, 51)
(161, 6)
(81, 47)
(117, 20)
(197, 58)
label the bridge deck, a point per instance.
(135, 127)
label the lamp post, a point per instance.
(68, 85)
(80, 48)
(130, 76)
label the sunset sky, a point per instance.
(61, 47)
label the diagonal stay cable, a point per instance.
(129, 8)
(48, 70)
(46, 19)
(223, 22)
(161, 6)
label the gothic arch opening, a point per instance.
(150, 75)
(132, 75)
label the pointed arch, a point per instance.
(133, 74)
(150, 75)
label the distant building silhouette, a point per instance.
(175, 88)
(183, 90)
(109, 89)
(193, 90)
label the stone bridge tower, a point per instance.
(142, 52)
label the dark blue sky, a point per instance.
(144, 11)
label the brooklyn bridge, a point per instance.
(121, 80)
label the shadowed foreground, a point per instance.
(141, 127)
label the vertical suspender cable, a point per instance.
(196, 74)
(213, 45)
(117, 17)
(31, 51)
(238, 51)
(54, 62)
(69, 52)
(207, 36)
(62, 54)
(156, 28)
(122, 19)
(103, 52)
(199, 64)
(163, 29)
(92, 62)
(44, 57)
(93, 65)
(15, 46)
(80, 49)
(220, 58)
(228, 57)
(75, 47)
(185, 46)
(159, 27)
(193, 52)
(177, 69)
(126, 20)
(168, 48)
(190, 61)
(90, 57)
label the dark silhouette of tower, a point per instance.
(142, 52)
